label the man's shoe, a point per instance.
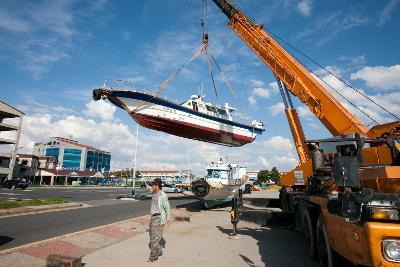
(152, 259)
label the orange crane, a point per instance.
(348, 208)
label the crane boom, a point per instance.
(334, 116)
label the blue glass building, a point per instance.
(72, 155)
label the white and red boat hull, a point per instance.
(162, 115)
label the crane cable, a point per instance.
(340, 79)
(203, 48)
(211, 73)
(227, 82)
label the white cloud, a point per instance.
(326, 27)
(156, 150)
(11, 23)
(389, 101)
(278, 143)
(304, 112)
(260, 90)
(379, 77)
(100, 109)
(386, 13)
(42, 33)
(276, 109)
(354, 60)
(126, 35)
(304, 7)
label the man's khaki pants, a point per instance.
(156, 230)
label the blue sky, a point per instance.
(53, 54)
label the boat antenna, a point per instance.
(105, 81)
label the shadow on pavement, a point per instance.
(247, 260)
(270, 218)
(262, 202)
(5, 239)
(277, 247)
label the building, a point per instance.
(252, 176)
(167, 176)
(74, 156)
(30, 167)
(44, 171)
(10, 123)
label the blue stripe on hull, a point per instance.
(155, 100)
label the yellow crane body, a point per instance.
(347, 201)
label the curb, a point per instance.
(37, 209)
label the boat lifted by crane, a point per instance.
(193, 119)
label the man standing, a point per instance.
(160, 215)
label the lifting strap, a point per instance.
(227, 82)
(165, 83)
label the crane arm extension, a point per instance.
(335, 117)
(298, 135)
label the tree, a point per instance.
(266, 176)
(263, 176)
(275, 175)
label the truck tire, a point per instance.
(283, 199)
(326, 254)
(310, 232)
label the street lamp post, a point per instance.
(12, 163)
(134, 161)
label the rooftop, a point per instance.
(76, 143)
(7, 111)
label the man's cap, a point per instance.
(157, 181)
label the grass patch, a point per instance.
(8, 204)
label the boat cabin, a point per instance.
(225, 173)
(198, 104)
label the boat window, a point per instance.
(195, 107)
(216, 174)
(209, 173)
(224, 175)
(208, 108)
(222, 113)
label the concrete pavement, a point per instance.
(205, 242)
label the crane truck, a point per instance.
(345, 192)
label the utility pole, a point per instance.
(134, 161)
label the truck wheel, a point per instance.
(309, 230)
(325, 252)
(283, 200)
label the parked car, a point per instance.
(15, 183)
(167, 188)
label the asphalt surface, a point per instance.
(104, 209)
(72, 194)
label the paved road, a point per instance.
(72, 194)
(20, 230)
